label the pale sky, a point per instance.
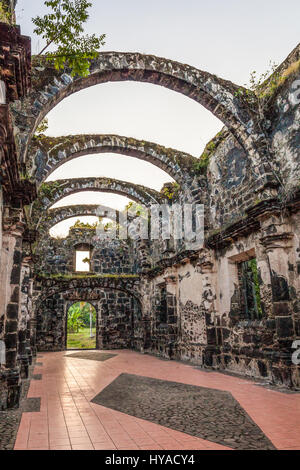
(228, 38)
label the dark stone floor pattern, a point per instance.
(10, 419)
(37, 376)
(209, 414)
(32, 405)
(92, 355)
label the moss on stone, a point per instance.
(200, 166)
(48, 189)
(61, 276)
(83, 226)
(170, 190)
(270, 87)
(5, 14)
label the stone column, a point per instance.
(277, 240)
(24, 351)
(31, 352)
(13, 239)
(146, 313)
(33, 325)
(205, 266)
(171, 280)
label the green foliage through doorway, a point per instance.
(78, 326)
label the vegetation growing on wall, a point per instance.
(200, 166)
(263, 87)
(170, 190)
(5, 14)
(48, 189)
(41, 129)
(253, 266)
(83, 225)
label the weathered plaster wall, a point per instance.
(177, 325)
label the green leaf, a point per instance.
(62, 27)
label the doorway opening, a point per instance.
(81, 326)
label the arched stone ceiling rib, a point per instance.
(54, 216)
(53, 192)
(50, 87)
(46, 154)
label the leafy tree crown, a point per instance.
(63, 28)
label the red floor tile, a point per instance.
(68, 419)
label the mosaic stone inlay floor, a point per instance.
(202, 412)
(69, 420)
(92, 355)
(37, 377)
(32, 405)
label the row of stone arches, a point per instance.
(42, 156)
(217, 95)
(46, 154)
(244, 210)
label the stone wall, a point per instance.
(57, 256)
(232, 305)
(285, 134)
(232, 184)
(212, 327)
(118, 319)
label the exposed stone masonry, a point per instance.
(157, 297)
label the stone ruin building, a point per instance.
(232, 305)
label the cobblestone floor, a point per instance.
(69, 420)
(92, 355)
(202, 412)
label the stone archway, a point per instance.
(51, 193)
(47, 287)
(46, 154)
(55, 216)
(50, 87)
(115, 304)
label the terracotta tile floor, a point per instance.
(68, 420)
